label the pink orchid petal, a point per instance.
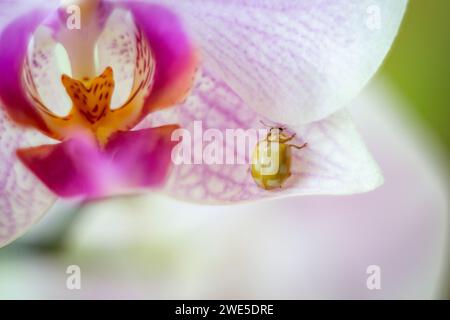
(175, 55)
(143, 156)
(335, 161)
(293, 61)
(15, 35)
(77, 167)
(23, 198)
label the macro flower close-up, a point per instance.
(204, 101)
(129, 60)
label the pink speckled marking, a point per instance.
(14, 40)
(174, 52)
(46, 75)
(117, 49)
(23, 198)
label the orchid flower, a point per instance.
(90, 112)
(297, 248)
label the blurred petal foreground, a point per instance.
(314, 247)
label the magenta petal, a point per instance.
(14, 40)
(175, 56)
(77, 167)
(143, 157)
(64, 167)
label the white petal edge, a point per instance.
(336, 162)
(23, 198)
(293, 61)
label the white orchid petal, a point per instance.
(294, 61)
(335, 161)
(117, 49)
(46, 62)
(23, 199)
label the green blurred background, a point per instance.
(419, 64)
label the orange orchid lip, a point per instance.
(91, 110)
(91, 101)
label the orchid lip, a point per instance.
(134, 54)
(146, 68)
(91, 99)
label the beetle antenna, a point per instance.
(281, 128)
(265, 124)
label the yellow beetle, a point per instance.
(271, 161)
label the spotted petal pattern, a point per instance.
(117, 49)
(335, 161)
(173, 50)
(14, 40)
(46, 73)
(23, 198)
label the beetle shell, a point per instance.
(271, 164)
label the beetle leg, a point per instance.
(289, 138)
(298, 147)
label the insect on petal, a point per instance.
(336, 160)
